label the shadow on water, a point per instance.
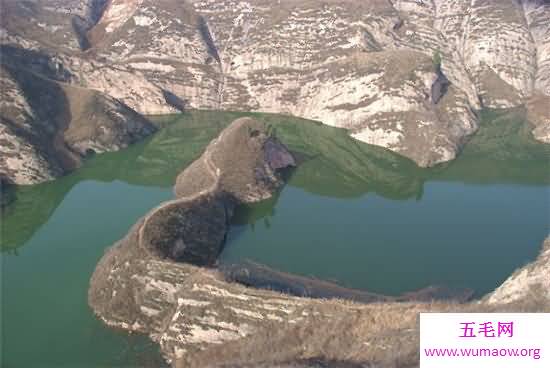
(502, 152)
(335, 165)
(440, 232)
(61, 228)
(154, 162)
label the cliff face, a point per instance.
(375, 68)
(152, 281)
(48, 126)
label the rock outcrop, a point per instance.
(538, 108)
(242, 165)
(374, 68)
(531, 282)
(154, 281)
(260, 276)
(48, 126)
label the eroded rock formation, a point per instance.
(242, 165)
(372, 67)
(47, 126)
(153, 281)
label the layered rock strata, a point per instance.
(372, 67)
(48, 126)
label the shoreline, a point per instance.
(190, 309)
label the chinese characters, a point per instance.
(486, 329)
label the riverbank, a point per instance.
(153, 281)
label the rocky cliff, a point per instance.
(47, 126)
(154, 281)
(403, 74)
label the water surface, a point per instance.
(351, 212)
(457, 235)
(46, 321)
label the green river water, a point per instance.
(351, 212)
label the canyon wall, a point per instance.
(407, 75)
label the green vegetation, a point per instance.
(61, 228)
(335, 165)
(503, 150)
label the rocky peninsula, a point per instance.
(160, 280)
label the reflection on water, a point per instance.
(367, 218)
(458, 235)
(154, 162)
(335, 165)
(46, 321)
(349, 212)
